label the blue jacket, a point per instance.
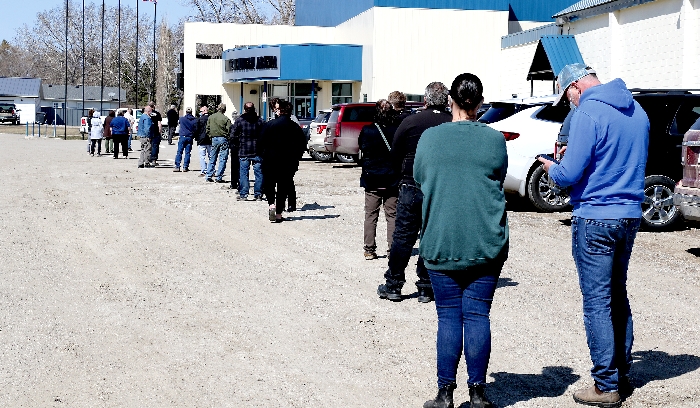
(119, 125)
(145, 123)
(606, 154)
(187, 125)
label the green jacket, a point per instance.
(460, 168)
(218, 125)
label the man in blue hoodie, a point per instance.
(604, 165)
(187, 128)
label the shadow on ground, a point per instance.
(315, 206)
(312, 217)
(694, 251)
(654, 365)
(510, 388)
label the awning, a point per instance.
(552, 54)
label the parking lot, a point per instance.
(127, 287)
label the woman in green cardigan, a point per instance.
(460, 167)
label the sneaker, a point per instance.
(594, 397)
(385, 292)
(369, 255)
(425, 295)
(241, 198)
(202, 174)
(210, 180)
(177, 170)
(271, 214)
(186, 170)
(130, 150)
(220, 181)
(141, 166)
(258, 198)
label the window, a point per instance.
(553, 113)
(359, 114)
(341, 93)
(686, 116)
(415, 98)
(498, 111)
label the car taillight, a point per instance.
(337, 129)
(510, 135)
(320, 129)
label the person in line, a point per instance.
(173, 118)
(604, 164)
(218, 127)
(397, 99)
(283, 142)
(89, 128)
(120, 133)
(245, 134)
(292, 191)
(188, 123)
(464, 241)
(144, 134)
(129, 115)
(96, 131)
(379, 176)
(410, 202)
(233, 153)
(203, 140)
(156, 133)
(107, 132)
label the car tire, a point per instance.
(541, 194)
(658, 211)
(345, 158)
(321, 156)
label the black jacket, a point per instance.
(282, 143)
(200, 132)
(378, 169)
(403, 150)
(173, 117)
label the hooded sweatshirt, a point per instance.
(606, 154)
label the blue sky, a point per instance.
(24, 11)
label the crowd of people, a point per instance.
(425, 169)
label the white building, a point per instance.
(25, 93)
(359, 50)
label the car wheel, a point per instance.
(345, 158)
(542, 196)
(321, 156)
(658, 211)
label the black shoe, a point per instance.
(624, 386)
(477, 398)
(141, 166)
(177, 170)
(130, 150)
(220, 181)
(386, 292)
(210, 180)
(291, 208)
(443, 399)
(240, 198)
(425, 295)
(186, 170)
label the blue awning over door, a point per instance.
(552, 54)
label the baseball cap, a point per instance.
(188, 110)
(568, 75)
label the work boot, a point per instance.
(425, 295)
(444, 398)
(386, 292)
(477, 398)
(594, 397)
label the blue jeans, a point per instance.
(155, 148)
(244, 186)
(204, 152)
(463, 302)
(219, 148)
(602, 250)
(184, 143)
(407, 227)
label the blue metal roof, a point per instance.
(590, 8)
(552, 54)
(331, 13)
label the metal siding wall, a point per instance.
(538, 10)
(327, 13)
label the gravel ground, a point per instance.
(126, 287)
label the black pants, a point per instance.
(278, 185)
(93, 143)
(171, 133)
(120, 140)
(235, 168)
(406, 230)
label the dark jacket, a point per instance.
(245, 134)
(188, 123)
(173, 117)
(403, 149)
(203, 138)
(282, 143)
(378, 169)
(107, 128)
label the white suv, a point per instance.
(317, 132)
(530, 126)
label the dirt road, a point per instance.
(126, 287)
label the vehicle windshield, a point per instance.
(498, 111)
(6, 108)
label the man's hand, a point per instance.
(547, 163)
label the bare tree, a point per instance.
(166, 89)
(243, 11)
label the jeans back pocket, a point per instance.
(601, 236)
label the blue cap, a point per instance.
(568, 75)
